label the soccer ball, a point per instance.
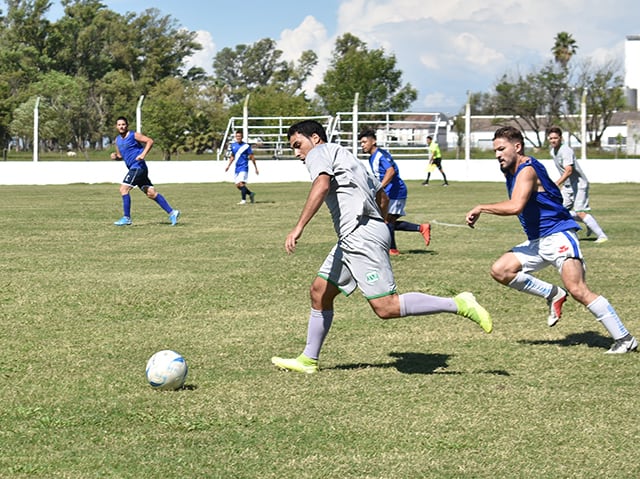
(166, 370)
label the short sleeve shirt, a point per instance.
(352, 190)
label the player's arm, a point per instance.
(388, 176)
(253, 160)
(231, 158)
(526, 184)
(317, 194)
(148, 143)
(116, 155)
(383, 202)
(568, 170)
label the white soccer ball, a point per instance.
(166, 370)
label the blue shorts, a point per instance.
(137, 177)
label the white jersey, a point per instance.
(352, 192)
(564, 157)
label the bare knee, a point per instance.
(151, 193)
(505, 268)
(322, 294)
(501, 275)
(387, 307)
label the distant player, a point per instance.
(241, 152)
(383, 166)
(435, 161)
(132, 147)
(573, 183)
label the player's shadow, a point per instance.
(408, 363)
(591, 339)
(419, 251)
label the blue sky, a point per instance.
(444, 49)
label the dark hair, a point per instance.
(556, 130)
(308, 128)
(123, 118)
(511, 134)
(368, 133)
(429, 137)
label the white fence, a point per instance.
(278, 171)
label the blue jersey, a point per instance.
(130, 148)
(543, 215)
(380, 162)
(241, 153)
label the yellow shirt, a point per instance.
(434, 151)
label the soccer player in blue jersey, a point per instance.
(551, 239)
(386, 170)
(241, 152)
(132, 147)
(360, 258)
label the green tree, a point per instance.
(63, 117)
(370, 73)
(247, 68)
(533, 101)
(605, 95)
(564, 48)
(23, 58)
(166, 115)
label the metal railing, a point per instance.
(403, 134)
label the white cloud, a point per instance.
(202, 58)
(309, 35)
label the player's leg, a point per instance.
(372, 270)
(391, 224)
(512, 269)
(333, 278)
(573, 277)
(153, 194)
(444, 177)
(240, 179)
(583, 210)
(125, 188)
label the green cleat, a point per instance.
(470, 308)
(301, 364)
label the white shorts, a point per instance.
(241, 177)
(555, 249)
(578, 201)
(396, 207)
(361, 259)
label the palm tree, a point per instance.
(564, 48)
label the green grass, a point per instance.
(83, 304)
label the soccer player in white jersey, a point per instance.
(573, 183)
(357, 203)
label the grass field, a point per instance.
(83, 304)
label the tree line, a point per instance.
(93, 64)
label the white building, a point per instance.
(632, 70)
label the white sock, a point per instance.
(419, 304)
(605, 313)
(318, 328)
(530, 284)
(593, 225)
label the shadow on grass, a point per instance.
(418, 251)
(415, 363)
(588, 338)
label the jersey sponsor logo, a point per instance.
(372, 277)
